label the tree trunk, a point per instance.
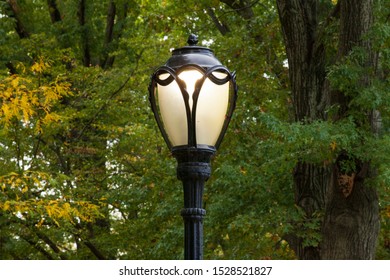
(351, 222)
(306, 58)
(81, 13)
(109, 34)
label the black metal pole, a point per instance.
(193, 170)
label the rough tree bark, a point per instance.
(351, 220)
(351, 224)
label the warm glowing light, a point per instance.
(211, 107)
(190, 77)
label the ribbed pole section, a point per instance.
(193, 170)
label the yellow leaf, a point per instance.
(6, 206)
(40, 223)
(39, 66)
(15, 81)
(48, 210)
(333, 146)
(6, 111)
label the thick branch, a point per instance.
(94, 250)
(20, 28)
(84, 33)
(51, 244)
(222, 27)
(114, 29)
(88, 243)
(55, 14)
(242, 7)
(109, 32)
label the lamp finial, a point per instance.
(192, 40)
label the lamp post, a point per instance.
(193, 97)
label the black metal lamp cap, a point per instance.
(192, 54)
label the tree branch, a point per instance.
(55, 14)
(49, 242)
(222, 27)
(102, 108)
(109, 32)
(88, 244)
(94, 250)
(38, 247)
(242, 7)
(20, 28)
(113, 33)
(84, 33)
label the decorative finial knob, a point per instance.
(192, 40)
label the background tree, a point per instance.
(340, 188)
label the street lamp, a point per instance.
(193, 97)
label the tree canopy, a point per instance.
(85, 174)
